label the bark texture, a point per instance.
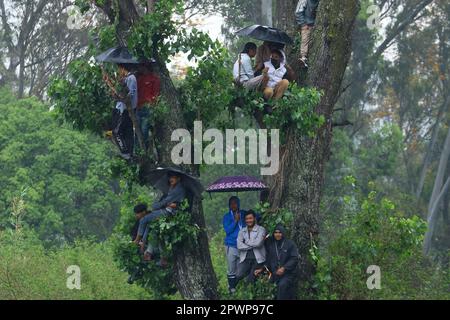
(298, 186)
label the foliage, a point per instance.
(82, 99)
(61, 176)
(170, 232)
(30, 272)
(373, 233)
(272, 218)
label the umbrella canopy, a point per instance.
(237, 184)
(117, 55)
(159, 179)
(265, 34)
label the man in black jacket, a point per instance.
(281, 260)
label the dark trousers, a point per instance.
(246, 269)
(286, 286)
(123, 132)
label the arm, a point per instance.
(292, 262)
(174, 195)
(229, 225)
(258, 241)
(241, 245)
(290, 74)
(248, 67)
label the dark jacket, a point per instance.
(231, 227)
(175, 195)
(306, 12)
(287, 256)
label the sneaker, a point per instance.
(232, 290)
(304, 62)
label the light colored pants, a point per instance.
(278, 91)
(254, 83)
(232, 260)
(306, 40)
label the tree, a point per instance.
(37, 43)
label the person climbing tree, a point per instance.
(122, 131)
(149, 89)
(306, 18)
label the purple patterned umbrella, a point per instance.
(237, 184)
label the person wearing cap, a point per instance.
(233, 222)
(168, 204)
(282, 260)
(250, 243)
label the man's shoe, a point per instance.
(303, 62)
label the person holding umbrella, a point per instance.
(233, 222)
(281, 260)
(305, 14)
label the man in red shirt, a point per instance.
(149, 88)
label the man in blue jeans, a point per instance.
(233, 222)
(167, 205)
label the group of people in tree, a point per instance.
(250, 251)
(271, 73)
(141, 86)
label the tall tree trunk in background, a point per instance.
(438, 193)
(267, 12)
(431, 146)
(194, 274)
(298, 185)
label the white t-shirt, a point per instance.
(246, 68)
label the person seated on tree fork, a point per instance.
(243, 70)
(167, 205)
(263, 54)
(279, 75)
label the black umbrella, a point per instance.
(159, 178)
(117, 55)
(265, 34)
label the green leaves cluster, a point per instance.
(374, 233)
(60, 175)
(82, 98)
(270, 218)
(170, 232)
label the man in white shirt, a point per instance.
(243, 69)
(279, 74)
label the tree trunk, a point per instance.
(298, 185)
(437, 195)
(266, 12)
(194, 274)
